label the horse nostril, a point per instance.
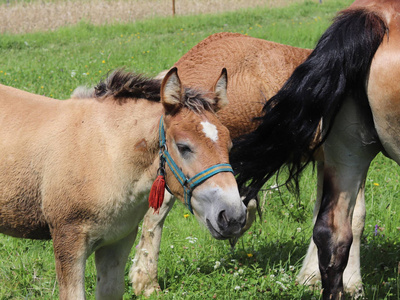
(222, 220)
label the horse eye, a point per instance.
(184, 149)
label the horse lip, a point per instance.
(214, 232)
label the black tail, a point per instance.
(338, 66)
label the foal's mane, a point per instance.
(122, 86)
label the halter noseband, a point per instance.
(187, 184)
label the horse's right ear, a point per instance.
(171, 91)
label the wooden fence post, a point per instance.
(173, 8)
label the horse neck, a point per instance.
(133, 132)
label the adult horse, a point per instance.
(79, 171)
(350, 82)
(256, 70)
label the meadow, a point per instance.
(192, 264)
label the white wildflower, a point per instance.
(217, 264)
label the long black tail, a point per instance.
(338, 66)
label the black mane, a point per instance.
(122, 85)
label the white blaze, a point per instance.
(210, 130)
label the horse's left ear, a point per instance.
(171, 91)
(220, 91)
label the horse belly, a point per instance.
(20, 204)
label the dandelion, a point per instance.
(186, 216)
(376, 184)
(103, 61)
(217, 264)
(249, 255)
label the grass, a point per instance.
(192, 264)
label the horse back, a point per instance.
(256, 70)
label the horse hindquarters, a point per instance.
(349, 149)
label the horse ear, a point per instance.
(220, 90)
(171, 91)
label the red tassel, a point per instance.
(156, 196)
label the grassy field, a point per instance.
(193, 265)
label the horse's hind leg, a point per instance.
(110, 265)
(309, 273)
(143, 273)
(352, 280)
(349, 149)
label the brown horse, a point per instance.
(350, 82)
(256, 70)
(79, 171)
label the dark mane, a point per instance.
(121, 85)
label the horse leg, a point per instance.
(309, 273)
(352, 280)
(143, 273)
(70, 252)
(349, 150)
(110, 265)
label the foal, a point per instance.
(79, 171)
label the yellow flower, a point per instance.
(186, 216)
(103, 61)
(249, 255)
(376, 184)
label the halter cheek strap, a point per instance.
(188, 184)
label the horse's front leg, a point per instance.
(70, 252)
(143, 273)
(110, 265)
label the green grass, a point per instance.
(267, 259)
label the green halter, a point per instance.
(187, 184)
